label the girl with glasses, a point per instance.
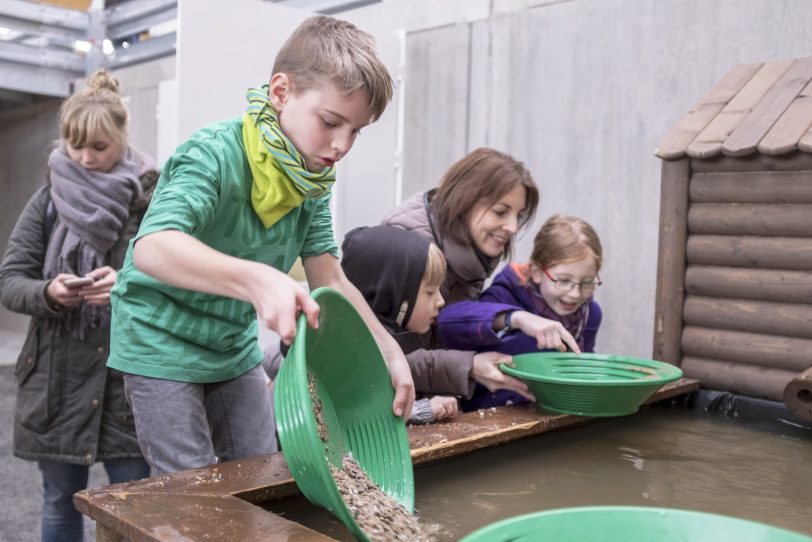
(514, 314)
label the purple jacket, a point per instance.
(468, 325)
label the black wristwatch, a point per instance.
(507, 329)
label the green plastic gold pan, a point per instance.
(630, 524)
(591, 384)
(355, 392)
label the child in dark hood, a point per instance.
(399, 273)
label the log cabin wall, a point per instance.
(734, 295)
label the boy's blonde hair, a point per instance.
(324, 49)
(96, 110)
(434, 275)
(564, 239)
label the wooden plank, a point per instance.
(788, 130)
(798, 396)
(746, 137)
(795, 161)
(671, 260)
(761, 284)
(786, 319)
(772, 351)
(709, 142)
(215, 502)
(789, 253)
(103, 534)
(752, 187)
(771, 219)
(144, 516)
(750, 380)
(675, 143)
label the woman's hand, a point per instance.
(486, 371)
(59, 295)
(98, 293)
(443, 407)
(549, 334)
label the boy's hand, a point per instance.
(279, 299)
(549, 334)
(486, 371)
(401, 381)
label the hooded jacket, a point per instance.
(468, 269)
(471, 326)
(70, 407)
(386, 264)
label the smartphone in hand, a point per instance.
(79, 282)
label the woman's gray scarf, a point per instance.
(92, 208)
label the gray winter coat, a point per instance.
(70, 407)
(467, 272)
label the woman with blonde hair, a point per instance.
(59, 266)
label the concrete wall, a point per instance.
(583, 91)
(25, 132)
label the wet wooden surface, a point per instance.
(217, 502)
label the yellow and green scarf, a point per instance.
(281, 179)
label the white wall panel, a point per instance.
(437, 84)
(223, 49)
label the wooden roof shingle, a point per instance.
(755, 108)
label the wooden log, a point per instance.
(709, 141)
(798, 395)
(750, 380)
(680, 136)
(795, 161)
(747, 135)
(752, 187)
(788, 130)
(791, 253)
(771, 220)
(787, 319)
(762, 284)
(671, 260)
(769, 351)
(805, 144)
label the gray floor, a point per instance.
(21, 485)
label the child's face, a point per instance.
(426, 307)
(583, 272)
(321, 122)
(101, 154)
(492, 226)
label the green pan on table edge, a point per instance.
(356, 394)
(630, 524)
(591, 384)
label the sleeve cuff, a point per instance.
(421, 412)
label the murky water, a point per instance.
(659, 457)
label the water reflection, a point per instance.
(659, 457)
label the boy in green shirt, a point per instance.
(235, 206)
